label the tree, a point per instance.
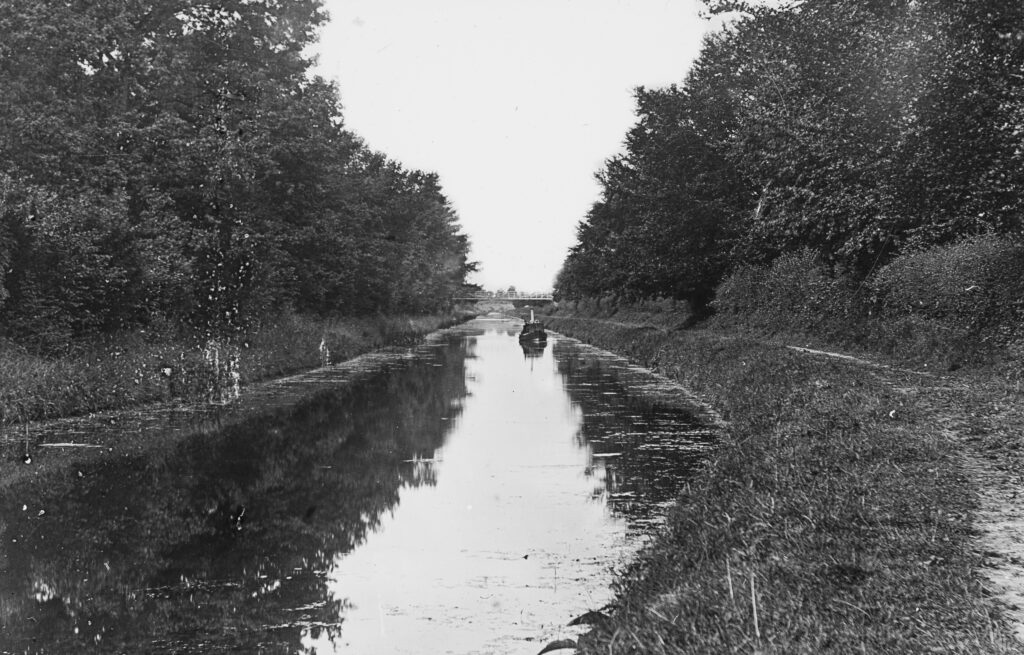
(854, 129)
(177, 159)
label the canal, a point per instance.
(469, 496)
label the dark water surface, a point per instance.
(470, 497)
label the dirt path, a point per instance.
(1001, 539)
(987, 419)
(992, 426)
(857, 360)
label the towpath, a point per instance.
(987, 418)
(983, 416)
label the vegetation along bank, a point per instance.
(837, 515)
(182, 208)
(841, 174)
(131, 369)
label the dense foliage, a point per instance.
(176, 161)
(853, 130)
(948, 305)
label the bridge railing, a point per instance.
(504, 296)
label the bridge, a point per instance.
(486, 295)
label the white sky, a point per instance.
(514, 103)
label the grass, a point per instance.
(834, 517)
(136, 368)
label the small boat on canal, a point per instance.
(533, 330)
(533, 349)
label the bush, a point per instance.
(974, 286)
(794, 293)
(948, 305)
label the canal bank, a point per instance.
(140, 417)
(144, 366)
(469, 495)
(840, 512)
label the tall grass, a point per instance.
(834, 516)
(139, 367)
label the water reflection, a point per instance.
(643, 445)
(471, 498)
(533, 349)
(225, 542)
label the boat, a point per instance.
(533, 330)
(533, 349)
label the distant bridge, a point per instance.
(483, 295)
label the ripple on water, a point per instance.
(464, 494)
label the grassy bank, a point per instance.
(836, 515)
(141, 367)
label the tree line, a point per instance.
(176, 162)
(852, 129)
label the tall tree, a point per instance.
(179, 159)
(853, 128)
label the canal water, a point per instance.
(470, 496)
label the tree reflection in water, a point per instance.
(222, 543)
(644, 447)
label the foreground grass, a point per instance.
(136, 368)
(834, 517)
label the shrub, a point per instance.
(948, 305)
(794, 293)
(974, 286)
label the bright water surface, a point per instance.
(472, 496)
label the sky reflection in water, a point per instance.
(470, 499)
